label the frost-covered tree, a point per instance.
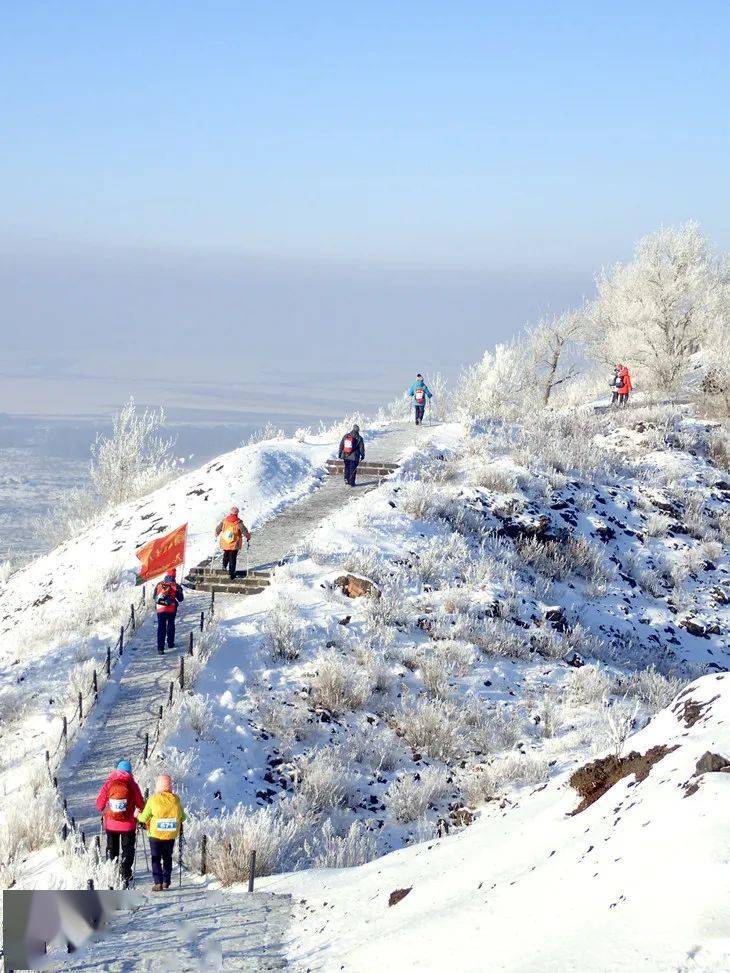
(657, 311)
(502, 384)
(134, 459)
(553, 345)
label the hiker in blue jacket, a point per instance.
(420, 392)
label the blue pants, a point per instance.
(165, 630)
(161, 854)
(350, 471)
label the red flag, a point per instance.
(162, 553)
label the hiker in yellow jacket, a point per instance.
(163, 816)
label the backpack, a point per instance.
(420, 395)
(348, 445)
(231, 533)
(165, 823)
(119, 800)
(166, 593)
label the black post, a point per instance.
(121, 640)
(64, 731)
(81, 707)
(131, 611)
(182, 672)
(251, 869)
(73, 822)
(95, 683)
(144, 593)
(212, 603)
(159, 715)
(190, 644)
(204, 855)
(64, 831)
(55, 783)
(108, 661)
(65, 805)
(48, 760)
(146, 794)
(146, 747)
(202, 620)
(97, 845)
(169, 695)
(90, 885)
(83, 838)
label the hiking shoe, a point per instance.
(161, 651)
(166, 886)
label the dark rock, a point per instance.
(556, 617)
(712, 763)
(395, 897)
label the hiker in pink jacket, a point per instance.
(118, 800)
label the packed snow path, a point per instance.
(279, 536)
(128, 708)
(192, 928)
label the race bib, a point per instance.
(419, 396)
(348, 446)
(167, 824)
(118, 805)
(229, 535)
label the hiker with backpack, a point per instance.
(118, 800)
(420, 393)
(167, 596)
(230, 533)
(352, 450)
(163, 816)
(625, 387)
(615, 384)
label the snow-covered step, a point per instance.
(192, 928)
(375, 468)
(205, 578)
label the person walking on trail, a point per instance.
(118, 801)
(167, 596)
(615, 384)
(352, 450)
(230, 533)
(420, 393)
(163, 816)
(625, 387)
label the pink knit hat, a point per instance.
(163, 784)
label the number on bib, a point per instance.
(167, 824)
(118, 806)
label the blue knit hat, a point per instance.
(124, 765)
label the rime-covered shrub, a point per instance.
(408, 798)
(654, 689)
(432, 727)
(336, 685)
(377, 747)
(283, 635)
(324, 778)
(326, 849)
(588, 686)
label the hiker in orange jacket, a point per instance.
(230, 533)
(117, 801)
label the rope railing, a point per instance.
(113, 656)
(69, 829)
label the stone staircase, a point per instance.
(365, 468)
(205, 577)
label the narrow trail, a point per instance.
(193, 927)
(276, 538)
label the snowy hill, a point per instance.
(544, 590)
(637, 881)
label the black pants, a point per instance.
(350, 470)
(165, 630)
(161, 854)
(126, 839)
(420, 409)
(229, 561)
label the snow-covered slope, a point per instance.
(639, 881)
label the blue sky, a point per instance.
(522, 144)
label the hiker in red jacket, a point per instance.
(167, 596)
(625, 387)
(118, 800)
